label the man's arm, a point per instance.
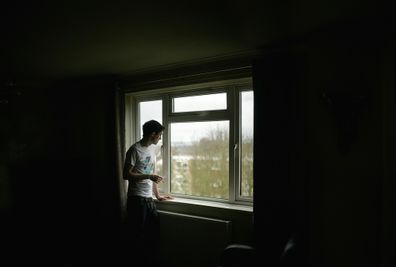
(155, 191)
(132, 174)
(157, 194)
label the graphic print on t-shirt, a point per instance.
(148, 166)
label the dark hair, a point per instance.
(152, 126)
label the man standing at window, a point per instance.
(142, 215)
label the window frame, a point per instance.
(232, 88)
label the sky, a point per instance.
(187, 132)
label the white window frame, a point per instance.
(233, 88)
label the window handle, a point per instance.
(235, 146)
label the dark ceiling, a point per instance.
(59, 39)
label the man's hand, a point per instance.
(156, 178)
(165, 197)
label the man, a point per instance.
(139, 168)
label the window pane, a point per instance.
(200, 158)
(247, 144)
(149, 110)
(152, 110)
(200, 102)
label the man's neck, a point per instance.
(145, 142)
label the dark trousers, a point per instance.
(143, 227)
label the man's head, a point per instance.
(153, 129)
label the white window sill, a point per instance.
(213, 204)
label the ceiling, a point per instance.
(60, 39)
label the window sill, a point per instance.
(203, 203)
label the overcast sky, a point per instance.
(187, 132)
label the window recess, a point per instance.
(206, 151)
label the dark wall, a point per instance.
(319, 147)
(58, 173)
(321, 171)
(274, 79)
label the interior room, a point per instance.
(310, 184)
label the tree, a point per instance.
(202, 168)
(210, 164)
(247, 166)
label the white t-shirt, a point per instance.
(143, 160)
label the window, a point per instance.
(246, 141)
(152, 110)
(207, 147)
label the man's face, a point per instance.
(156, 137)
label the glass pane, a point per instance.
(152, 110)
(247, 144)
(149, 110)
(199, 158)
(200, 102)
